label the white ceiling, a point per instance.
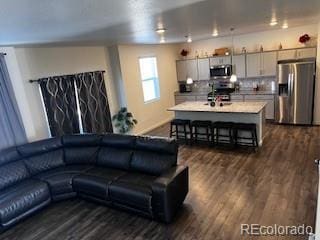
(134, 21)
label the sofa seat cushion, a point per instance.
(18, 199)
(96, 181)
(69, 169)
(60, 183)
(133, 190)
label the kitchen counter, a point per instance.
(232, 107)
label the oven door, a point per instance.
(221, 71)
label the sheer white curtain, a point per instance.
(11, 127)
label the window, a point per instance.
(149, 77)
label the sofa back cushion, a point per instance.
(12, 173)
(114, 158)
(116, 151)
(12, 168)
(81, 149)
(9, 155)
(42, 155)
(154, 155)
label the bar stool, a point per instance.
(246, 141)
(182, 128)
(223, 138)
(197, 135)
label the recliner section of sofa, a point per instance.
(139, 174)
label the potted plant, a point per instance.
(124, 121)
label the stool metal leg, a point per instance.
(171, 130)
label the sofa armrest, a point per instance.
(168, 193)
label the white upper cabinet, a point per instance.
(268, 64)
(253, 65)
(187, 68)
(239, 65)
(297, 53)
(181, 70)
(220, 60)
(287, 54)
(262, 64)
(203, 69)
(306, 53)
(192, 69)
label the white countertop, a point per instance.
(234, 107)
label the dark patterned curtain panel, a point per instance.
(60, 103)
(93, 101)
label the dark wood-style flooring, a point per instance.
(276, 185)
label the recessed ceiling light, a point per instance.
(285, 26)
(160, 30)
(215, 33)
(273, 23)
(189, 39)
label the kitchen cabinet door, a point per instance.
(239, 65)
(236, 98)
(269, 64)
(181, 71)
(287, 54)
(225, 60)
(203, 69)
(253, 65)
(269, 110)
(220, 60)
(306, 53)
(181, 99)
(192, 69)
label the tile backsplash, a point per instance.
(264, 84)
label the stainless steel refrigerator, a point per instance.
(295, 91)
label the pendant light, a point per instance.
(233, 77)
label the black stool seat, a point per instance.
(181, 129)
(247, 141)
(220, 138)
(220, 124)
(197, 135)
(180, 122)
(199, 123)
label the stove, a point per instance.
(222, 89)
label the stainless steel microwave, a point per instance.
(220, 71)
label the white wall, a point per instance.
(317, 91)
(152, 114)
(34, 63)
(270, 40)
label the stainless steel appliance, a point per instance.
(295, 87)
(220, 71)
(221, 88)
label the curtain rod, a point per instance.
(67, 75)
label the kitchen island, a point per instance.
(241, 112)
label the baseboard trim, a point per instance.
(154, 126)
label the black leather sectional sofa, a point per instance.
(139, 174)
